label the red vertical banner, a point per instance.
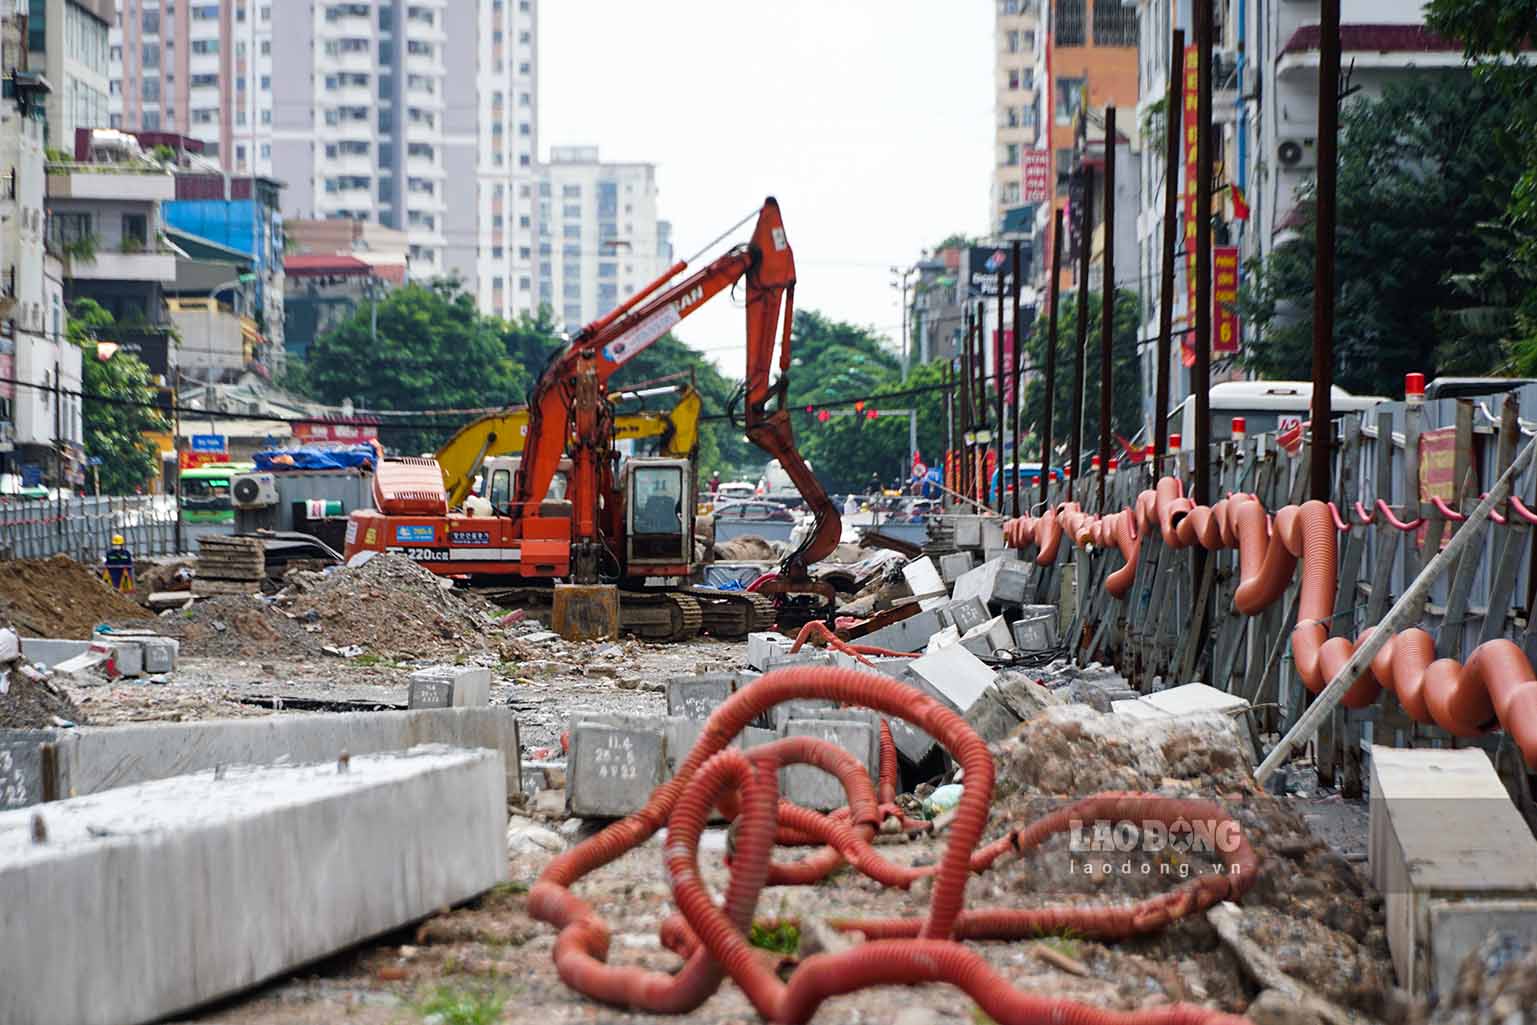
(1224, 297)
(1192, 79)
(1008, 363)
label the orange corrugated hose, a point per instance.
(714, 939)
(1497, 686)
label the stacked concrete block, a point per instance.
(158, 654)
(1195, 699)
(811, 787)
(985, 638)
(968, 531)
(449, 687)
(612, 770)
(955, 674)
(992, 534)
(924, 581)
(1036, 629)
(1013, 586)
(1452, 856)
(697, 697)
(762, 646)
(953, 565)
(145, 902)
(965, 613)
(807, 656)
(910, 634)
(1001, 554)
(980, 582)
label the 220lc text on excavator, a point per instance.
(617, 549)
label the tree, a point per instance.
(119, 405)
(433, 350)
(1418, 182)
(1126, 392)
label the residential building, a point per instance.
(41, 433)
(420, 116)
(67, 41)
(332, 268)
(599, 236)
(1017, 52)
(938, 312)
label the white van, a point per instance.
(1264, 405)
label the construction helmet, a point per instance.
(117, 539)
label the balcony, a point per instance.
(113, 265)
(115, 182)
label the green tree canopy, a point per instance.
(1419, 182)
(1126, 419)
(118, 408)
(433, 350)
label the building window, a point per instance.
(1010, 154)
(1069, 99)
(151, 23)
(150, 58)
(1011, 40)
(206, 47)
(1070, 22)
(1114, 24)
(1014, 79)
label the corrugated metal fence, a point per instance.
(82, 528)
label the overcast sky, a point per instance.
(870, 120)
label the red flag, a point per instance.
(1240, 207)
(1187, 351)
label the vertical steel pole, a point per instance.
(947, 474)
(1047, 410)
(1018, 351)
(980, 363)
(1001, 435)
(1080, 340)
(1200, 376)
(1173, 106)
(968, 425)
(1323, 271)
(1107, 308)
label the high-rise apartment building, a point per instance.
(598, 234)
(419, 115)
(1016, 54)
(67, 44)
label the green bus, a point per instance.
(205, 492)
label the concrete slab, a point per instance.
(1457, 928)
(968, 531)
(154, 899)
(910, 634)
(956, 674)
(943, 639)
(1138, 708)
(159, 652)
(760, 646)
(612, 770)
(1195, 698)
(988, 637)
(965, 613)
(925, 582)
(954, 564)
(1000, 553)
(992, 533)
(1014, 585)
(807, 656)
(93, 759)
(813, 788)
(50, 651)
(1443, 831)
(450, 687)
(1036, 632)
(697, 697)
(979, 582)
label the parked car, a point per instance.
(734, 491)
(753, 512)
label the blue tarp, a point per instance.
(316, 457)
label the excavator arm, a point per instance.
(568, 401)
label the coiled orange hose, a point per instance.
(715, 937)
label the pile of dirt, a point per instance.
(238, 626)
(390, 605)
(34, 704)
(746, 548)
(59, 597)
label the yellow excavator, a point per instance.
(502, 434)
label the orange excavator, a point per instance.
(617, 546)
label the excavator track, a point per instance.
(732, 615)
(658, 616)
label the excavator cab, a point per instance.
(501, 475)
(659, 515)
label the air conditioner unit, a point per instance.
(1296, 153)
(254, 491)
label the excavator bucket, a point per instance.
(586, 612)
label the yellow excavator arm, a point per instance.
(503, 434)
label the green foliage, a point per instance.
(82, 249)
(164, 154)
(118, 408)
(1125, 370)
(957, 240)
(1421, 177)
(780, 938)
(462, 1007)
(1485, 27)
(434, 351)
(295, 378)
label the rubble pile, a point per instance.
(31, 701)
(59, 597)
(1496, 986)
(390, 605)
(238, 626)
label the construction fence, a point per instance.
(82, 528)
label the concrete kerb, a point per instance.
(94, 759)
(150, 900)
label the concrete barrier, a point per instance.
(1452, 857)
(150, 900)
(92, 759)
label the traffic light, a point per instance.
(859, 407)
(809, 409)
(870, 414)
(823, 415)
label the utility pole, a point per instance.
(968, 425)
(1107, 309)
(1051, 356)
(1200, 375)
(1173, 105)
(984, 429)
(1081, 335)
(947, 473)
(1323, 270)
(1002, 436)
(899, 282)
(1014, 382)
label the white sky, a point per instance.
(871, 121)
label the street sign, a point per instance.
(208, 443)
(93, 461)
